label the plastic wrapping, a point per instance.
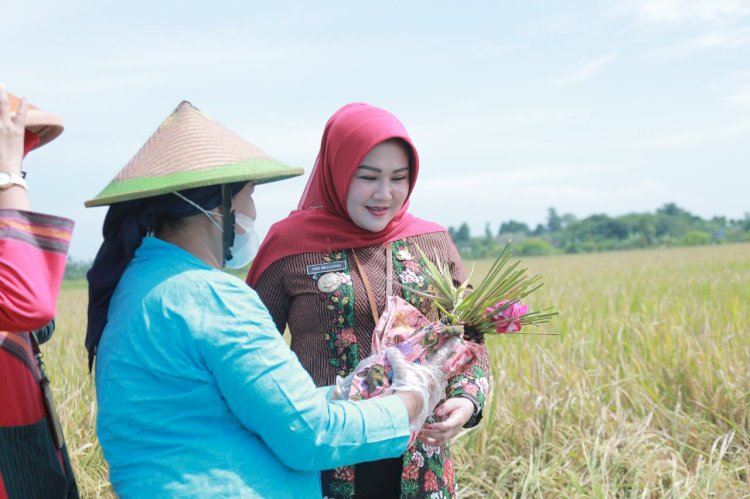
(425, 348)
(426, 380)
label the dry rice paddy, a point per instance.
(645, 392)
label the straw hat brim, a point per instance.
(259, 171)
(46, 126)
(189, 150)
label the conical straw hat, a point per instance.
(189, 149)
(46, 126)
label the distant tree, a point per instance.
(745, 224)
(672, 210)
(513, 227)
(535, 247)
(76, 270)
(669, 225)
(463, 235)
(554, 223)
(488, 233)
(645, 229)
(695, 238)
(567, 220)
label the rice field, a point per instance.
(644, 393)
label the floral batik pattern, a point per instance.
(472, 384)
(340, 338)
(338, 483)
(428, 472)
(344, 356)
(408, 268)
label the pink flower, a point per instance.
(430, 450)
(449, 473)
(483, 385)
(471, 389)
(410, 472)
(506, 318)
(345, 473)
(413, 266)
(345, 338)
(430, 481)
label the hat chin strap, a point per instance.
(227, 221)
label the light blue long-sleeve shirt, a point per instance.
(200, 396)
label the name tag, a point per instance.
(322, 268)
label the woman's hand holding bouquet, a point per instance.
(463, 317)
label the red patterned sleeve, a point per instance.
(33, 249)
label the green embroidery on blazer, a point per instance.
(340, 338)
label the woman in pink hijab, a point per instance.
(326, 270)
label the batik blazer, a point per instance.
(331, 331)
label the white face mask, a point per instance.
(245, 246)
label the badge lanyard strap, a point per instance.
(366, 281)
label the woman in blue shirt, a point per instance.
(198, 393)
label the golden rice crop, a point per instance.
(645, 393)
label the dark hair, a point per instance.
(125, 226)
(405, 147)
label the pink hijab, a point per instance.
(321, 223)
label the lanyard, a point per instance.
(366, 280)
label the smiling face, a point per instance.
(380, 186)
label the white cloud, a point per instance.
(488, 183)
(727, 38)
(739, 95)
(690, 11)
(724, 38)
(585, 71)
(706, 135)
(740, 98)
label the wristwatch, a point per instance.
(475, 418)
(9, 179)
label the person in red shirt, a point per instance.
(33, 248)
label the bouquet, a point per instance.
(460, 319)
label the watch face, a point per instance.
(5, 180)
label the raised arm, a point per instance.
(13, 193)
(32, 246)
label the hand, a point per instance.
(420, 386)
(451, 416)
(12, 129)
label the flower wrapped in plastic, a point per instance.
(451, 339)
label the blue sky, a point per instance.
(515, 106)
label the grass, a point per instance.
(645, 393)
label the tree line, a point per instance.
(670, 225)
